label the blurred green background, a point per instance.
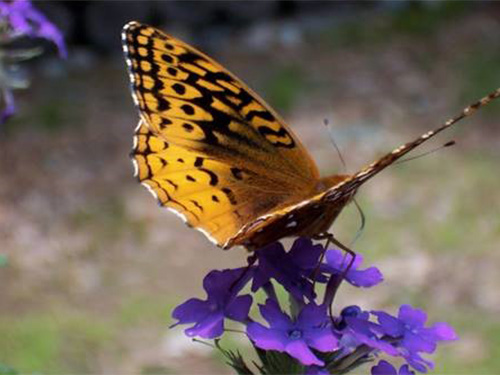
(90, 267)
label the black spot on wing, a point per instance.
(188, 127)
(198, 162)
(214, 180)
(237, 173)
(188, 109)
(179, 88)
(230, 195)
(197, 205)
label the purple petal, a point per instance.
(366, 332)
(192, 311)
(417, 362)
(316, 370)
(299, 350)
(365, 278)
(312, 315)
(272, 313)
(339, 260)
(415, 343)
(383, 368)
(391, 325)
(275, 263)
(238, 308)
(221, 284)
(304, 253)
(321, 339)
(210, 327)
(405, 370)
(411, 316)
(444, 331)
(266, 338)
(260, 278)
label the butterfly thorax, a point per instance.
(310, 217)
(329, 210)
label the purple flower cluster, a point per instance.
(18, 18)
(307, 332)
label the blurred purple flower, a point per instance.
(337, 261)
(10, 105)
(385, 368)
(18, 18)
(289, 269)
(222, 302)
(409, 325)
(311, 329)
(26, 20)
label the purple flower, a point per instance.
(311, 329)
(289, 269)
(365, 332)
(222, 302)
(316, 370)
(26, 20)
(409, 326)
(385, 368)
(305, 255)
(416, 361)
(337, 261)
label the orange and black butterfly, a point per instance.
(213, 152)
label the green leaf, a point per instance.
(235, 360)
(274, 362)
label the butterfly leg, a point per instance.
(335, 281)
(329, 237)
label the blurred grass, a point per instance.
(411, 19)
(69, 341)
(416, 207)
(284, 87)
(42, 343)
(481, 75)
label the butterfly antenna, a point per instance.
(332, 139)
(362, 224)
(447, 144)
(349, 185)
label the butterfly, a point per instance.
(214, 153)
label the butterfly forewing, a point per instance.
(207, 146)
